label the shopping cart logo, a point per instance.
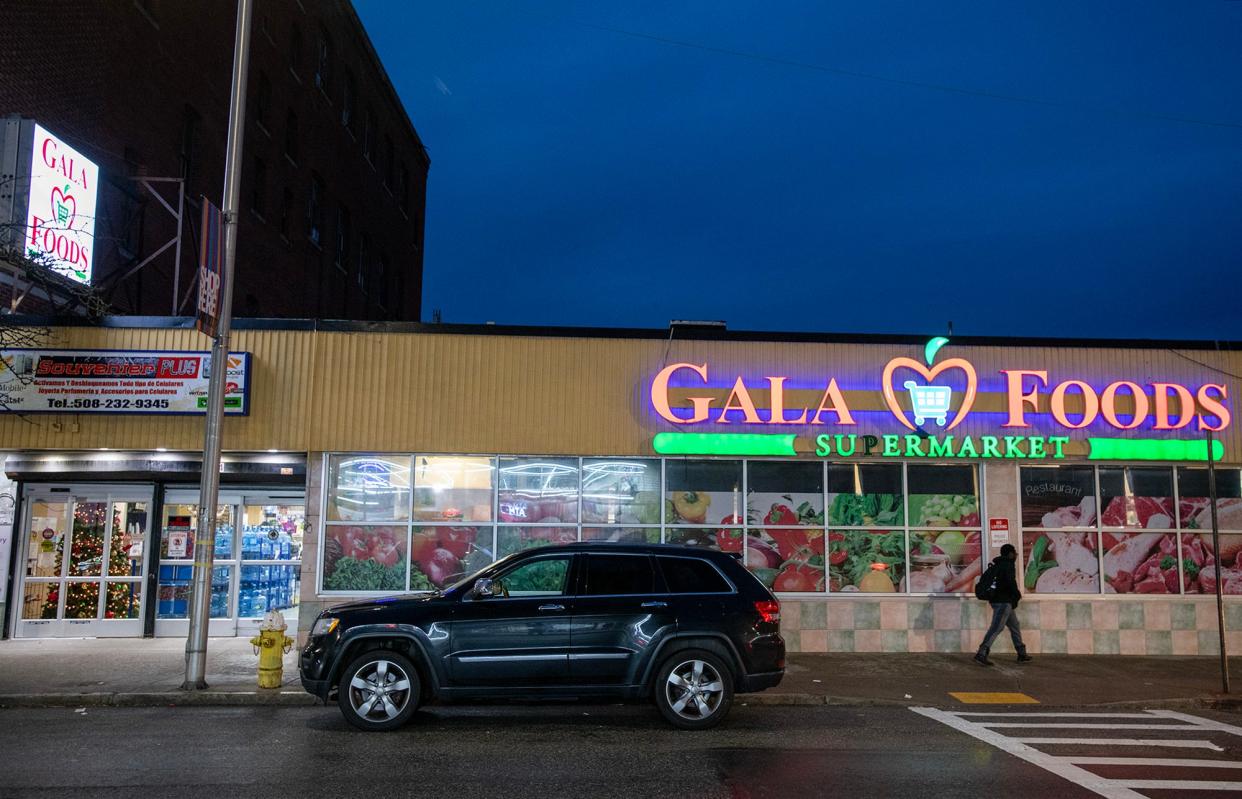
(929, 401)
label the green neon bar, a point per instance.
(723, 444)
(1152, 449)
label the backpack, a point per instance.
(985, 589)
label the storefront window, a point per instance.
(1199, 563)
(1193, 495)
(440, 555)
(870, 561)
(704, 492)
(448, 488)
(175, 589)
(946, 554)
(785, 514)
(1061, 499)
(945, 561)
(180, 531)
(708, 538)
(620, 491)
(1132, 545)
(1198, 556)
(865, 495)
(368, 488)
(265, 588)
(1058, 497)
(1065, 562)
(802, 527)
(1137, 497)
(1140, 563)
(538, 491)
(517, 539)
(370, 558)
(273, 532)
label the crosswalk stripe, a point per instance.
(1041, 714)
(1181, 785)
(1103, 787)
(1210, 724)
(1088, 726)
(1170, 743)
(1178, 762)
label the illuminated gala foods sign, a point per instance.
(117, 381)
(61, 207)
(1034, 413)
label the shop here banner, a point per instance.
(117, 381)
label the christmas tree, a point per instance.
(86, 555)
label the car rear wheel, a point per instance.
(379, 691)
(694, 689)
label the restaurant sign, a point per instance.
(117, 381)
(924, 403)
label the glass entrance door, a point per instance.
(257, 561)
(83, 564)
(179, 537)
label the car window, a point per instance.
(543, 577)
(619, 574)
(692, 576)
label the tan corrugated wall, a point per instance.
(315, 391)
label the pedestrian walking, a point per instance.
(999, 586)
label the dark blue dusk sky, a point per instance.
(583, 176)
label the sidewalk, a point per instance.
(150, 671)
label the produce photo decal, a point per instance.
(781, 549)
(870, 561)
(364, 558)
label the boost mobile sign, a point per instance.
(54, 198)
(117, 381)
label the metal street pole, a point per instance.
(209, 489)
(1220, 601)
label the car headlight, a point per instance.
(324, 626)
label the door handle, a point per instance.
(653, 605)
(550, 608)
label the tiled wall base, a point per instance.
(1051, 626)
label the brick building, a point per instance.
(334, 173)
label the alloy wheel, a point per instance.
(379, 691)
(694, 690)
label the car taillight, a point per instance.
(769, 611)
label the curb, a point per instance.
(166, 699)
(283, 698)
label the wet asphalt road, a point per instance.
(508, 752)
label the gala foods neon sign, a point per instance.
(938, 394)
(1205, 406)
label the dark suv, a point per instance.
(685, 627)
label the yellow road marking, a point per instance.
(993, 698)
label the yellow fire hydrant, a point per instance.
(270, 645)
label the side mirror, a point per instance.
(484, 588)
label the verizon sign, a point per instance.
(61, 207)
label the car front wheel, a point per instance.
(379, 691)
(694, 690)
